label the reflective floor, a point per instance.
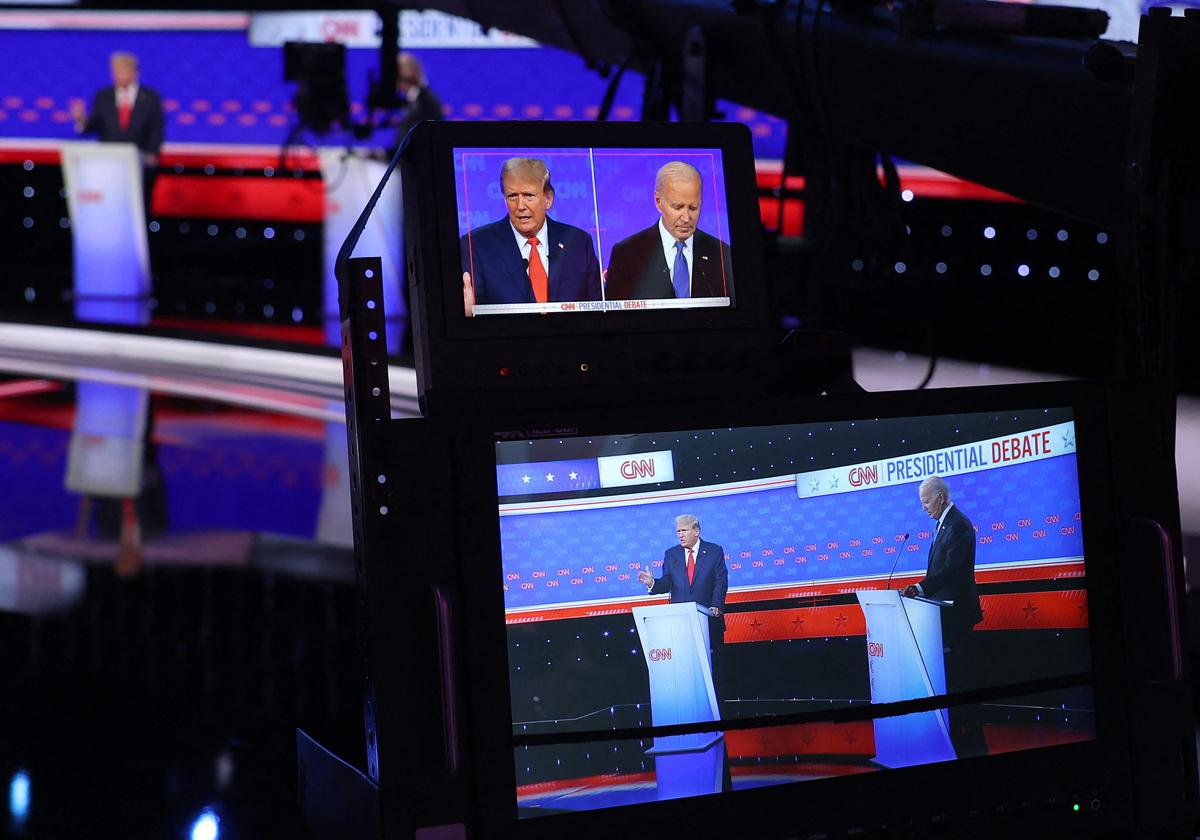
(176, 598)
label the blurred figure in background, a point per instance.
(417, 100)
(126, 112)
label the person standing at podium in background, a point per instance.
(126, 112)
(694, 571)
(415, 96)
(950, 576)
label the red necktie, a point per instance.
(124, 109)
(691, 563)
(537, 272)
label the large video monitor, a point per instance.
(785, 672)
(582, 254)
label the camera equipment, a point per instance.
(523, 683)
(319, 70)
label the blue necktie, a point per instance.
(681, 281)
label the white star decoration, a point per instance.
(573, 475)
(549, 476)
(525, 479)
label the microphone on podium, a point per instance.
(899, 554)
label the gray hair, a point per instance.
(937, 484)
(532, 168)
(676, 170)
(124, 58)
(686, 520)
(414, 64)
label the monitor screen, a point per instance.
(806, 578)
(592, 229)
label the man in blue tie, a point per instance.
(950, 576)
(672, 258)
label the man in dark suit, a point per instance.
(671, 258)
(694, 571)
(950, 576)
(528, 257)
(413, 92)
(126, 112)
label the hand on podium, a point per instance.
(646, 577)
(909, 591)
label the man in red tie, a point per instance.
(527, 257)
(694, 571)
(126, 112)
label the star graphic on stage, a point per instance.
(755, 626)
(840, 619)
(816, 485)
(525, 479)
(1030, 611)
(798, 624)
(1068, 442)
(833, 484)
(806, 740)
(572, 475)
(549, 476)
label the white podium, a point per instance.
(349, 180)
(675, 644)
(905, 661)
(108, 219)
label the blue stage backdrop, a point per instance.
(773, 537)
(218, 88)
(607, 192)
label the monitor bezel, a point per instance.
(1101, 764)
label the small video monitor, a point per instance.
(595, 255)
(617, 229)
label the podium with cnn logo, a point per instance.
(108, 220)
(905, 662)
(675, 644)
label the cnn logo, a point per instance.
(659, 654)
(875, 649)
(637, 469)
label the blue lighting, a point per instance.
(206, 827)
(18, 796)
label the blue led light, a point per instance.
(18, 796)
(206, 826)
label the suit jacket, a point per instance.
(709, 584)
(638, 269)
(498, 272)
(145, 120)
(950, 575)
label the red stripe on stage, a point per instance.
(605, 780)
(801, 623)
(260, 197)
(1067, 570)
(1061, 610)
(854, 738)
(280, 199)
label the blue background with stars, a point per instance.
(1022, 512)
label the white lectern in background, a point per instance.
(108, 219)
(349, 180)
(675, 645)
(905, 662)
